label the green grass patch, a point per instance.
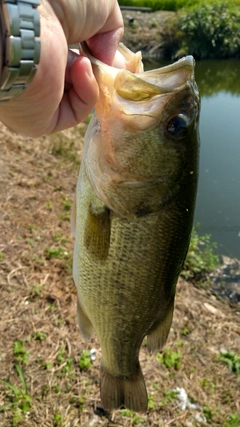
(172, 5)
(19, 399)
(233, 420)
(39, 336)
(85, 360)
(170, 358)
(232, 360)
(201, 258)
(58, 253)
(21, 354)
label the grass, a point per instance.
(232, 360)
(85, 360)
(20, 401)
(201, 257)
(232, 420)
(172, 5)
(170, 358)
(39, 336)
(21, 354)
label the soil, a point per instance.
(146, 31)
(41, 382)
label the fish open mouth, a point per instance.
(134, 84)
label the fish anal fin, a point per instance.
(85, 326)
(159, 333)
(128, 392)
(97, 232)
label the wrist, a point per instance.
(20, 46)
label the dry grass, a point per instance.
(38, 329)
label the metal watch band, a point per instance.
(21, 44)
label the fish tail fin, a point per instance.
(129, 392)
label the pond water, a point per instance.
(218, 198)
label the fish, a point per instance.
(133, 214)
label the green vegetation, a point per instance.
(208, 386)
(85, 360)
(66, 203)
(64, 361)
(203, 29)
(39, 336)
(201, 258)
(59, 253)
(171, 5)
(36, 290)
(233, 420)
(232, 360)
(135, 418)
(211, 31)
(151, 403)
(170, 358)
(208, 413)
(20, 352)
(57, 420)
(169, 396)
(19, 400)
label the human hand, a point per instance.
(64, 90)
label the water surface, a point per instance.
(218, 198)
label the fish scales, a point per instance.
(133, 217)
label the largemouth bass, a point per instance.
(133, 215)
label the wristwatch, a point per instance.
(20, 45)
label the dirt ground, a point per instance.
(145, 31)
(41, 382)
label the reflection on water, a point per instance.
(218, 200)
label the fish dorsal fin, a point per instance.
(97, 232)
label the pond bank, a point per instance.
(144, 31)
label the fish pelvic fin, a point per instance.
(85, 326)
(159, 332)
(129, 392)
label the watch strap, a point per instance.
(21, 44)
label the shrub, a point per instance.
(211, 31)
(201, 258)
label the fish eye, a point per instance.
(177, 126)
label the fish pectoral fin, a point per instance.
(159, 333)
(129, 392)
(85, 326)
(97, 232)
